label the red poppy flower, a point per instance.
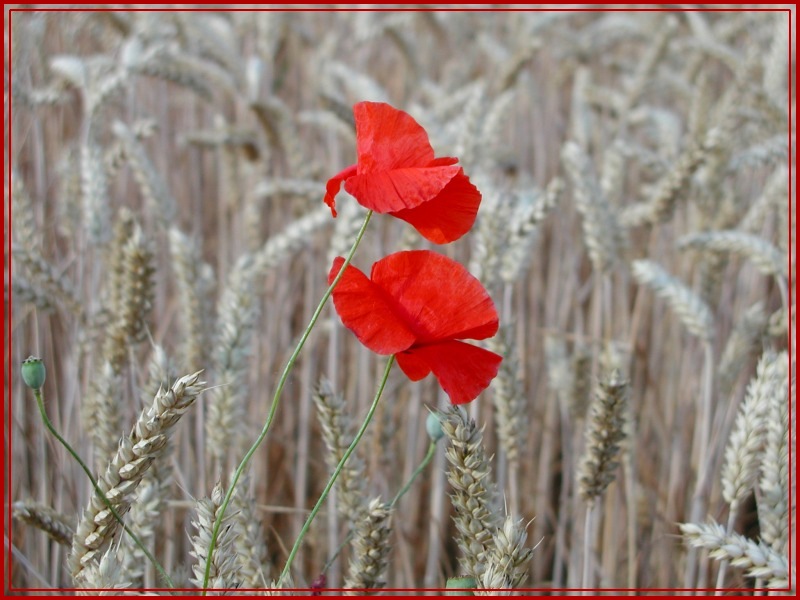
(418, 305)
(397, 174)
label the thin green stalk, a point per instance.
(336, 471)
(47, 423)
(420, 467)
(276, 399)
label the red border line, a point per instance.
(6, 450)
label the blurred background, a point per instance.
(168, 170)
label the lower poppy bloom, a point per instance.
(419, 305)
(397, 174)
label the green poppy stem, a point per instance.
(37, 392)
(336, 471)
(276, 399)
(420, 467)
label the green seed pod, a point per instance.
(33, 372)
(461, 583)
(433, 425)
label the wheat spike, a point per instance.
(773, 505)
(473, 496)
(151, 183)
(527, 215)
(337, 434)
(745, 445)
(248, 538)
(94, 191)
(367, 569)
(146, 508)
(195, 279)
(290, 240)
(131, 307)
(692, 311)
(41, 516)
(44, 276)
(101, 412)
(126, 469)
(775, 62)
(224, 573)
(105, 574)
(601, 232)
(766, 257)
(236, 317)
(507, 561)
(605, 431)
(758, 559)
(509, 400)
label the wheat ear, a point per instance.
(473, 496)
(224, 564)
(337, 434)
(126, 469)
(41, 516)
(367, 569)
(760, 560)
(507, 561)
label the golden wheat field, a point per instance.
(170, 246)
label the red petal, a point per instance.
(333, 185)
(436, 296)
(463, 370)
(367, 312)
(387, 138)
(399, 189)
(443, 161)
(449, 215)
(412, 365)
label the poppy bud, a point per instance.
(33, 372)
(461, 583)
(434, 427)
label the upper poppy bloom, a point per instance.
(397, 174)
(417, 305)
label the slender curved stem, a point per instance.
(336, 471)
(51, 428)
(420, 467)
(276, 399)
